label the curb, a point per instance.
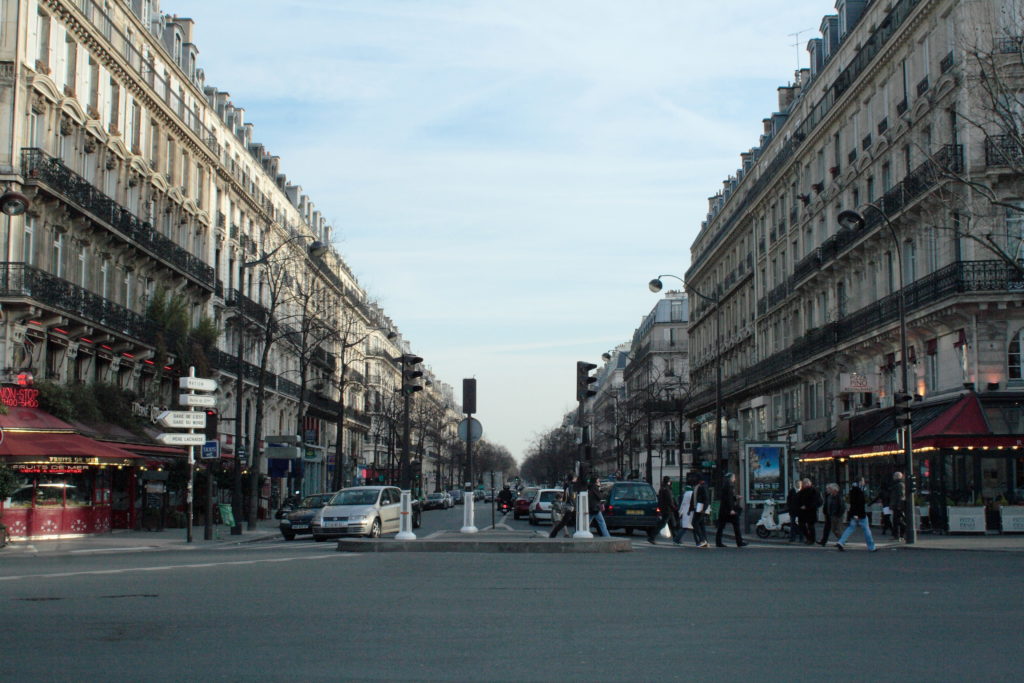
(486, 545)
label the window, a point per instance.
(57, 256)
(115, 105)
(71, 65)
(931, 365)
(1013, 357)
(909, 262)
(43, 41)
(94, 87)
(28, 247)
(135, 128)
(83, 267)
(105, 278)
(1015, 229)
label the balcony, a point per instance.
(922, 86)
(22, 280)
(947, 63)
(62, 182)
(252, 310)
(1004, 150)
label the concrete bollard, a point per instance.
(582, 517)
(405, 519)
(467, 512)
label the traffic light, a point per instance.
(901, 401)
(211, 425)
(584, 380)
(410, 374)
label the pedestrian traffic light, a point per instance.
(584, 380)
(211, 425)
(901, 401)
(410, 374)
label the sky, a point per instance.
(505, 176)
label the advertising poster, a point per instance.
(766, 471)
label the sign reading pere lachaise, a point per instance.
(766, 471)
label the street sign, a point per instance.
(197, 384)
(197, 400)
(283, 452)
(211, 450)
(470, 429)
(182, 419)
(181, 439)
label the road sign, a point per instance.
(197, 384)
(181, 439)
(197, 400)
(182, 419)
(211, 450)
(470, 429)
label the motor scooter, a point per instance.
(769, 522)
(504, 506)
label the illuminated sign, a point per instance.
(19, 397)
(48, 469)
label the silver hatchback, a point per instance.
(359, 511)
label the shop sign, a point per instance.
(966, 520)
(858, 382)
(1013, 518)
(48, 469)
(73, 459)
(19, 397)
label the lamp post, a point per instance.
(315, 250)
(852, 220)
(656, 286)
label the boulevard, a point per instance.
(279, 610)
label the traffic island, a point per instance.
(486, 542)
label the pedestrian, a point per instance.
(729, 510)
(667, 505)
(698, 510)
(898, 504)
(568, 497)
(858, 517)
(792, 506)
(835, 509)
(882, 498)
(595, 506)
(808, 502)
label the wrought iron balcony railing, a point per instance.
(39, 167)
(1004, 150)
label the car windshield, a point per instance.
(528, 494)
(355, 497)
(633, 492)
(548, 496)
(314, 501)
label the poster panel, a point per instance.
(766, 471)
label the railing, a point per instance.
(252, 310)
(1009, 45)
(956, 278)
(1003, 150)
(947, 63)
(922, 86)
(20, 279)
(37, 167)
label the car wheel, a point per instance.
(289, 537)
(375, 529)
(319, 539)
(533, 522)
(629, 531)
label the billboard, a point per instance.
(766, 470)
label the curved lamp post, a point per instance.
(316, 250)
(852, 220)
(656, 285)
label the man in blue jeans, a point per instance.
(595, 506)
(858, 517)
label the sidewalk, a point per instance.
(126, 541)
(925, 541)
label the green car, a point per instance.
(631, 505)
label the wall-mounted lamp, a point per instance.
(993, 386)
(14, 203)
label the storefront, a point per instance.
(968, 453)
(67, 483)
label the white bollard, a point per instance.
(405, 519)
(467, 513)
(582, 517)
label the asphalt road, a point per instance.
(302, 611)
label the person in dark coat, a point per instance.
(698, 509)
(858, 517)
(668, 506)
(808, 501)
(568, 500)
(795, 532)
(835, 509)
(595, 506)
(729, 511)
(898, 503)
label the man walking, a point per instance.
(667, 505)
(898, 503)
(595, 506)
(835, 508)
(729, 511)
(858, 517)
(698, 509)
(808, 500)
(793, 507)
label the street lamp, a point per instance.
(656, 286)
(14, 203)
(316, 249)
(852, 220)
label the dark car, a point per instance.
(436, 501)
(298, 521)
(631, 505)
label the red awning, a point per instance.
(49, 447)
(19, 418)
(963, 417)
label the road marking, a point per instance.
(94, 551)
(199, 565)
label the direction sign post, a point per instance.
(181, 439)
(197, 400)
(182, 419)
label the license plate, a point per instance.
(634, 512)
(330, 525)
(300, 526)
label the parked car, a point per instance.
(456, 495)
(540, 506)
(631, 505)
(362, 511)
(478, 494)
(300, 520)
(521, 508)
(436, 501)
(489, 496)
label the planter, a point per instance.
(1013, 519)
(966, 520)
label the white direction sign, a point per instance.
(197, 384)
(182, 419)
(181, 439)
(197, 400)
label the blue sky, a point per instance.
(505, 176)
